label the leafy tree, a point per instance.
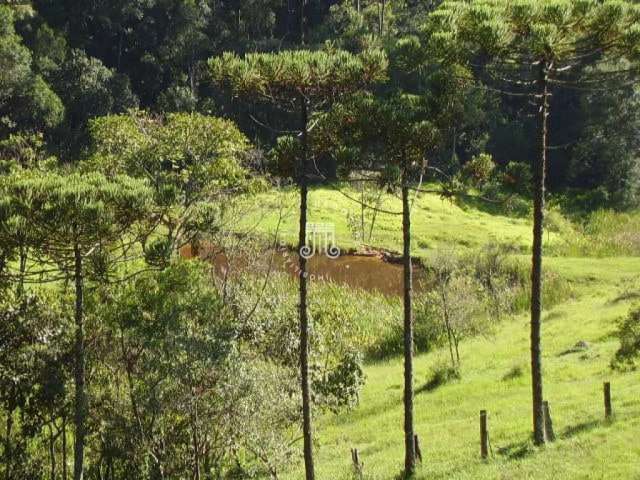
(629, 335)
(26, 100)
(195, 163)
(77, 217)
(391, 137)
(33, 372)
(197, 397)
(302, 82)
(606, 154)
(405, 139)
(88, 89)
(533, 48)
(456, 300)
(175, 355)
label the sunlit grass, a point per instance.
(495, 367)
(447, 418)
(436, 222)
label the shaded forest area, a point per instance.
(69, 61)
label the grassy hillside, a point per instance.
(437, 222)
(495, 373)
(495, 377)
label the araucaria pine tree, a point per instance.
(529, 49)
(300, 82)
(73, 217)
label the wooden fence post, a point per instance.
(484, 435)
(355, 458)
(548, 424)
(416, 443)
(608, 410)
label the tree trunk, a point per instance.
(456, 342)
(80, 406)
(410, 452)
(381, 6)
(362, 207)
(536, 270)
(64, 447)
(196, 443)
(301, 20)
(52, 454)
(447, 324)
(7, 446)
(307, 430)
(23, 269)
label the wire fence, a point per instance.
(507, 430)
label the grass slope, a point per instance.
(495, 368)
(447, 418)
(436, 222)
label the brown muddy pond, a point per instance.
(373, 272)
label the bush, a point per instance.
(514, 372)
(345, 326)
(478, 171)
(629, 334)
(441, 373)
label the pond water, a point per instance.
(371, 272)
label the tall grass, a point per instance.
(604, 233)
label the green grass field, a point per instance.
(437, 222)
(447, 418)
(495, 373)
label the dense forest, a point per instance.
(67, 62)
(162, 164)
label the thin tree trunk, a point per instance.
(374, 216)
(410, 453)
(52, 453)
(301, 20)
(80, 405)
(7, 446)
(307, 430)
(196, 444)
(362, 207)
(381, 6)
(64, 447)
(447, 324)
(456, 342)
(536, 270)
(23, 269)
(120, 37)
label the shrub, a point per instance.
(514, 372)
(346, 325)
(478, 171)
(629, 334)
(441, 373)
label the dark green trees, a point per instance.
(26, 100)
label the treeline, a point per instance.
(67, 62)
